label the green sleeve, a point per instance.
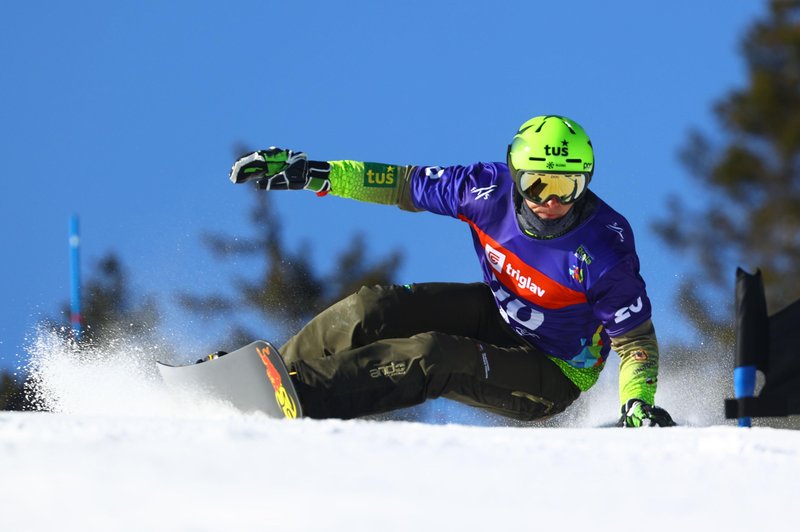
(386, 184)
(638, 366)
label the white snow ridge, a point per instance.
(120, 454)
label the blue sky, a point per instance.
(126, 113)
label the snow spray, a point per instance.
(118, 378)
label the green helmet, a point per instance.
(551, 144)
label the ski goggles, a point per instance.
(539, 187)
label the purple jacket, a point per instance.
(565, 295)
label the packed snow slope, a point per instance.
(80, 472)
(119, 452)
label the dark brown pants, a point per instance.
(389, 347)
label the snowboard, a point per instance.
(253, 378)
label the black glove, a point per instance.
(279, 169)
(637, 413)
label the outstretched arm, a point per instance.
(281, 169)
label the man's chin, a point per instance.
(548, 216)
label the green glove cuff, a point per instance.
(370, 182)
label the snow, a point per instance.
(120, 453)
(83, 472)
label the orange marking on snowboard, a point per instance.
(281, 395)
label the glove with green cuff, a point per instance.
(280, 169)
(637, 413)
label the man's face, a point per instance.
(551, 209)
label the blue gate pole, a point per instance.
(744, 385)
(75, 277)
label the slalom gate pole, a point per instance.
(744, 385)
(752, 334)
(75, 277)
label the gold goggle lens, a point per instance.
(540, 187)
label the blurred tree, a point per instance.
(12, 392)
(109, 309)
(749, 178)
(285, 287)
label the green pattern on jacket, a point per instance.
(370, 182)
(638, 363)
(583, 378)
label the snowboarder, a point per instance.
(561, 288)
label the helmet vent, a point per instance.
(539, 129)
